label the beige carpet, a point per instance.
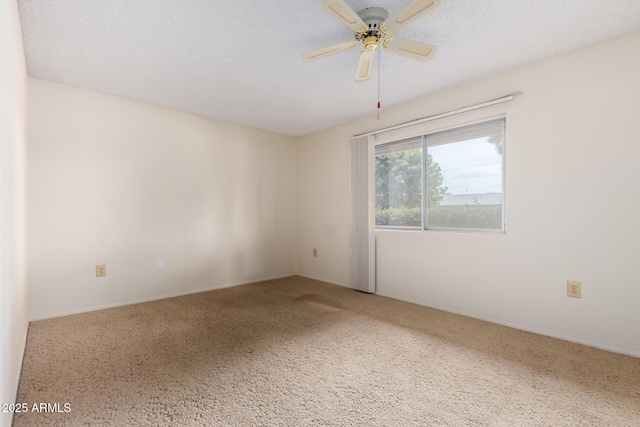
(297, 352)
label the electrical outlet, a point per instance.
(101, 270)
(315, 253)
(574, 289)
(159, 263)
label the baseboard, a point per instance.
(324, 280)
(154, 298)
(514, 325)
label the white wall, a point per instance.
(121, 183)
(324, 207)
(572, 202)
(13, 294)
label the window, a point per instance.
(399, 184)
(461, 187)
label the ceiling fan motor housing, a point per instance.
(373, 17)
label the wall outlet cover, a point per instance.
(574, 289)
(101, 270)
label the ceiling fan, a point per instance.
(373, 26)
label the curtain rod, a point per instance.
(441, 115)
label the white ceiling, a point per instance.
(239, 60)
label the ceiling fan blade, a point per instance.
(328, 51)
(365, 65)
(414, 11)
(411, 49)
(340, 11)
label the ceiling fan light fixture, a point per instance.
(373, 26)
(371, 42)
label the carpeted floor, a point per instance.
(297, 352)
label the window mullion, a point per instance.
(425, 182)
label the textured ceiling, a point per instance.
(239, 60)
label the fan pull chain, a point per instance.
(378, 113)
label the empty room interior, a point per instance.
(338, 212)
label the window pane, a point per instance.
(399, 184)
(464, 178)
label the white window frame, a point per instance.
(425, 150)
